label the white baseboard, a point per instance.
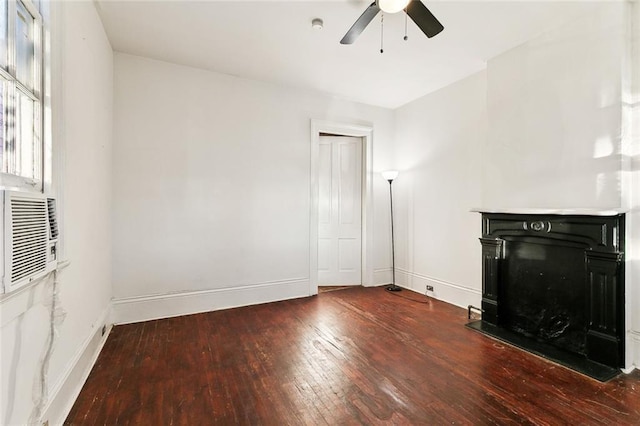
(635, 351)
(381, 276)
(146, 308)
(447, 292)
(64, 393)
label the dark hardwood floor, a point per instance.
(327, 288)
(355, 356)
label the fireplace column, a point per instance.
(492, 255)
(606, 301)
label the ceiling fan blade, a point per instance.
(423, 18)
(362, 22)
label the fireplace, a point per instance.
(553, 284)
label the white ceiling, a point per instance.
(273, 41)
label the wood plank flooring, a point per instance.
(327, 288)
(355, 356)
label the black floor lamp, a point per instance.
(390, 175)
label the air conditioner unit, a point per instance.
(30, 236)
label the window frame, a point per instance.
(9, 177)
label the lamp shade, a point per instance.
(390, 174)
(392, 6)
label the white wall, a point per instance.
(554, 108)
(211, 187)
(36, 386)
(439, 141)
(631, 194)
(86, 177)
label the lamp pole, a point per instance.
(390, 176)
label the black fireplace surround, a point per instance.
(554, 285)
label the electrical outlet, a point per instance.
(429, 288)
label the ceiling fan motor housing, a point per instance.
(415, 9)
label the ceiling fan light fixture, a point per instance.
(392, 6)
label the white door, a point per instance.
(340, 211)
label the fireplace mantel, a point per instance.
(560, 212)
(556, 282)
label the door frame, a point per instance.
(366, 134)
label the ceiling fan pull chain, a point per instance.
(405, 24)
(382, 33)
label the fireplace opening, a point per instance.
(544, 293)
(553, 285)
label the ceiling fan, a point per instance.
(416, 10)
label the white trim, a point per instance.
(145, 308)
(382, 276)
(66, 390)
(449, 292)
(635, 351)
(632, 290)
(13, 180)
(631, 184)
(563, 212)
(366, 133)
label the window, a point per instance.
(21, 70)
